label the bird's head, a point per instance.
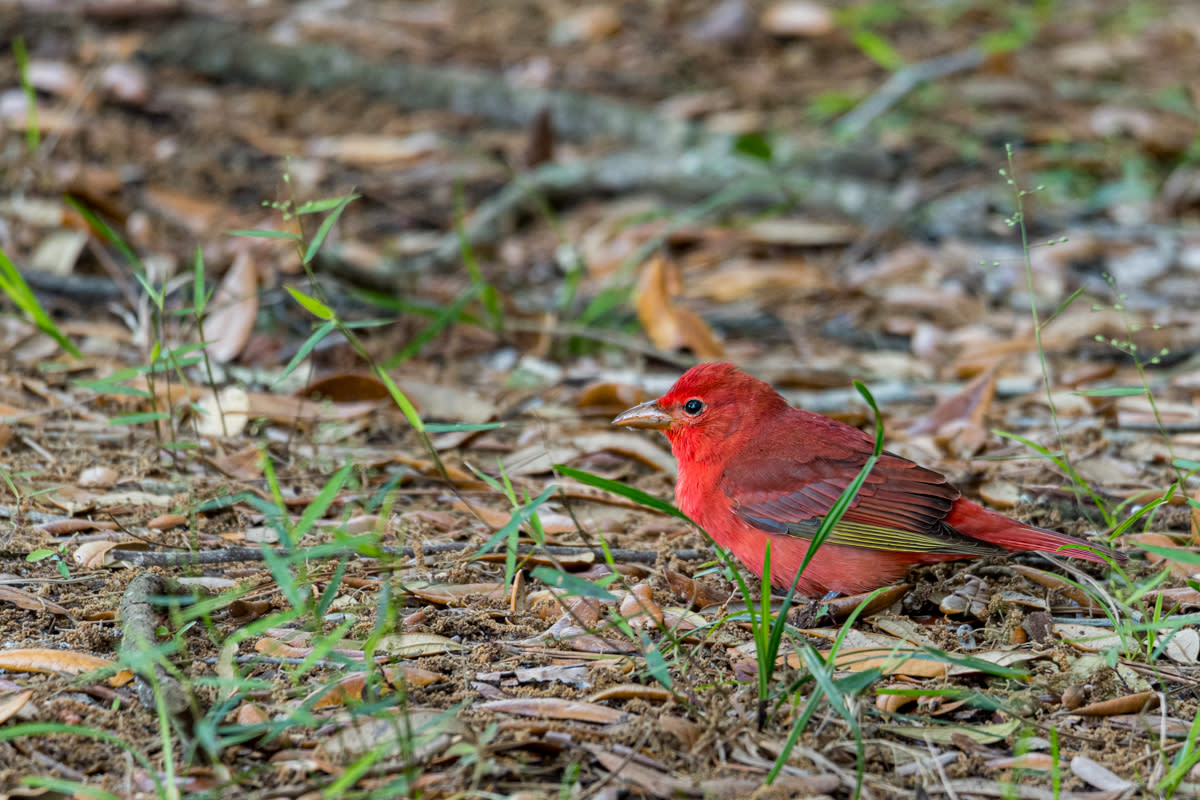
(709, 403)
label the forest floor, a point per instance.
(347, 281)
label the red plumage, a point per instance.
(754, 470)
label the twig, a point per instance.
(903, 81)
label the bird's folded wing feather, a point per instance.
(901, 506)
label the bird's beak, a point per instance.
(647, 415)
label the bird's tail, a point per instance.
(1015, 536)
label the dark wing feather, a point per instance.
(786, 484)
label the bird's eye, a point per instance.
(693, 407)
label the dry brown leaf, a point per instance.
(632, 691)
(233, 309)
(64, 527)
(639, 609)
(742, 279)
(841, 608)
(1128, 704)
(1000, 494)
(1042, 761)
(669, 326)
(453, 594)
(1056, 583)
(551, 522)
(347, 387)
(198, 216)
(244, 464)
(31, 602)
(64, 661)
(696, 594)
(165, 522)
(1180, 569)
(292, 410)
(607, 398)
(1195, 519)
(558, 708)
(970, 404)
(1183, 597)
(892, 661)
(350, 688)
(252, 714)
(71, 499)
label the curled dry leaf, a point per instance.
(639, 609)
(232, 310)
(97, 554)
(671, 327)
(892, 703)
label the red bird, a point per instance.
(754, 470)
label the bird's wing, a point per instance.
(787, 487)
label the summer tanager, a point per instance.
(754, 470)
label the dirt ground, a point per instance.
(250, 574)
